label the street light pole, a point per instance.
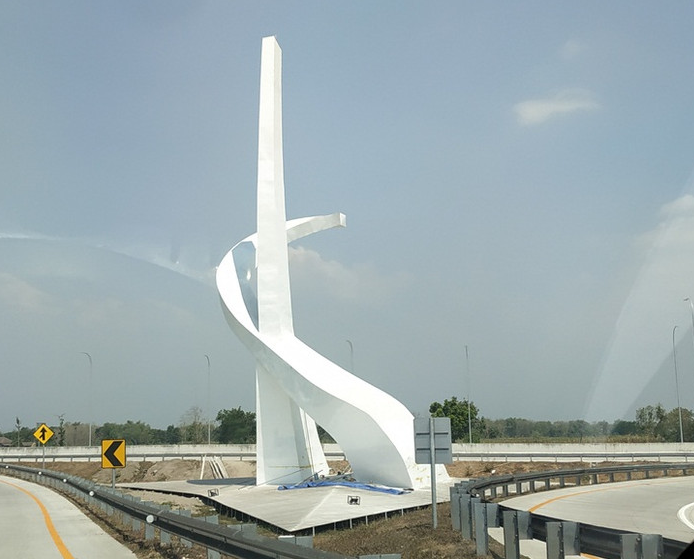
(469, 395)
(91, 367)
(351, 356)
(209, 419)
(691, 308)
(677, 385)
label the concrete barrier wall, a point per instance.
(495, 452)
(588, 452)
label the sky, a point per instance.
(517, 180)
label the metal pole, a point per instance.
(432, 452)
(691, 307)
(469, 395)
(351, 357)
(91, 395)
(209, 417)
(677, 385)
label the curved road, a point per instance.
(37, 522)
(648, 506)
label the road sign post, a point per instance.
(113, 456)
(43, 434)
(432, 444)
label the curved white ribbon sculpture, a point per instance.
(295, 385)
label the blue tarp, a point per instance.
(343, 483)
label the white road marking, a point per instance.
(682, 515)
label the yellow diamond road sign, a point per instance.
(43, 433)
(113, 453)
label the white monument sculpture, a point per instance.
(295, 386)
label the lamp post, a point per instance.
(677, 386)
(469, 395)
(91, 366)
(351, 356)
(691, 308)
(209, 419)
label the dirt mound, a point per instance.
(167, 470)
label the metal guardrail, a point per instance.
(576, 456)
(669, 453)
(230, 540)
(604, 542)
(597, 540)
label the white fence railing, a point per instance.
(593, 452)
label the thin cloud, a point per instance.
(571, 49)
(566, 101)
(682, 207)
(19, 294)
(359, 283)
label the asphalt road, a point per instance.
(650, 506)
(37, 522)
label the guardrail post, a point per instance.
(164, 536)
(481, 537)
(555, 540)
(465, 507)
(149, 531)
(631, 546)
(651, 546)
(516, 527)
(211, 553)
(493, 515)
(524, 529)
(187, 514)
(571, 539)
(473, 500)
(455, 508)
(301, 541)
(642, 546)
(245, 528)
(511, 539)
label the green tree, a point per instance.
(236, 426)
(134, 432)
(61, 430)
(193, 429)
(460, 413)
(621, 427)
(668, 428)
(170, 435)
(648, 418)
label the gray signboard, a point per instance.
(443, 453)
